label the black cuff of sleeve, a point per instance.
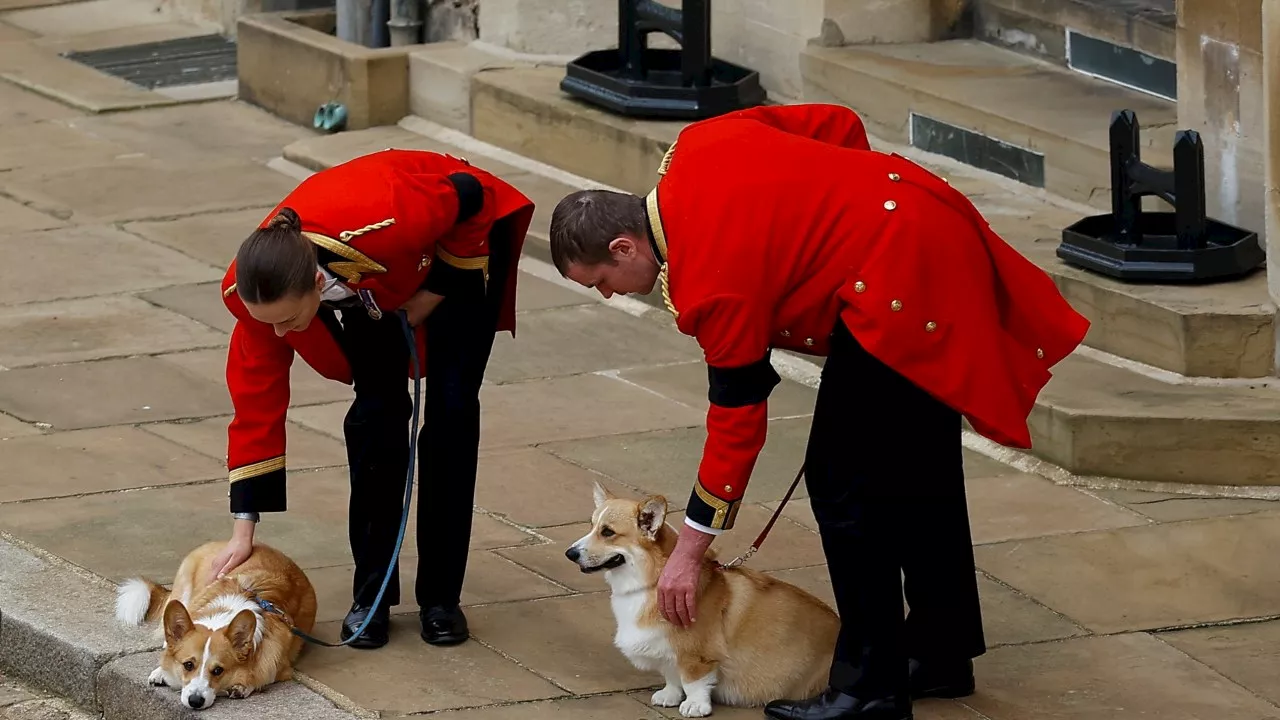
(260, 493)
(470, 195)
(710, 511)
(450, 281)
(742, 386)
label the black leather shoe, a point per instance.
(444, 625)
(941, 679)
(836, 705)
(375, 635)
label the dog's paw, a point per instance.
(156, 678)
(669, 696)
(695, 707)
(239, 692)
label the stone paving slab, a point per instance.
(9, 33)
(307, 387)
(11, 692)
(1120, 677)
(71, 331)
(322, 151)
(103, 459)
(56, 624)
(1027, 506)
(124, 264)
(123, 691)
(1154, 577)
(124, 391)
(20, 107)
(409, 676)
(1168, 507)
(592, 708)
(20, 218)
(666, 462)
(201, 302)
(1246, 654)
(143, 188)
(43, 70)
(55, 143)
(534, 293)
(533, 488)
(306, 449)
(687, 383)
(11, 427)
(84, 17)
(212, 238)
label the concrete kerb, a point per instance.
(58, 632)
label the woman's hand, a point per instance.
(420, 306)
(238, 549)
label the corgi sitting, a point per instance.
(757, 639)
(217, 639)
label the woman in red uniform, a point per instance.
(325, 276)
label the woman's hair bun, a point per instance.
(286, 219)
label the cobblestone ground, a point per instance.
(116, 228)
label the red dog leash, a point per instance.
(755, 546)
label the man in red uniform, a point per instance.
(780, 227)
(323, 277)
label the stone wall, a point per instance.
(1220, 95)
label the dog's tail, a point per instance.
(139, 600)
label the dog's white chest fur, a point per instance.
(646, 647)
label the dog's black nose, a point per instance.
(572, 553)
(196, 701)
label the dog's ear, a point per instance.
(241, 631)
(177, 622)
(601, 495)
(653, 513)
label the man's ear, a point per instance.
(622, 246)
(600, 494)
(653, 513)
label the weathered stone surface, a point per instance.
(1026, 506)
(42, 69)
(124, 264)
(9, 33)
(11, 427)
(19, 106)
(1154, 577)
(534, 293)
(326, 151)
(533, 488)
(132, 390)
(19, 218)
(124, 693)
(70, 331)
(11, 692)
(200, 132)
(1121, 677)
(84, 17)
(1167, 507)
(440, 81)
(58, 625)
(788, 545)
(306, 449)
(142, 188)
(630, 460)
(98, 460)
(556, 343)
(409, 676)
(567, 640)
(592, 708)
(212, 238)
(54, 144)
(1098, 419)
(1243, 653)
(201, 302)
(549, 561)
(46, 708)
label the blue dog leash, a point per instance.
(267, 605)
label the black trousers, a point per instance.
(886, 481)
(460, 333)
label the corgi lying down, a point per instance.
(217, 640)
(757, 639)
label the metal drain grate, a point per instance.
(185, 61)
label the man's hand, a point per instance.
(678, 586)
(420, 306)
(236, 552)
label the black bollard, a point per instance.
(638, 81)
(1136, 245)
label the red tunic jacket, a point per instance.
(385, 224)
(774, 222)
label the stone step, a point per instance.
(1129, 42)
(1221, 330)
(1094, 418)
(996, 109)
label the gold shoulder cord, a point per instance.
(655, 220)
(358, 263)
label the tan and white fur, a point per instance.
(218, 641)
(755, 638)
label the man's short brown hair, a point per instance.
(584, 223)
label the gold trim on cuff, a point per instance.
(258, 468)
(480, 263)
(726, 510)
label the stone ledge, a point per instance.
(58, 633)
(124, 693)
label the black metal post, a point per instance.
(1188, 187)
